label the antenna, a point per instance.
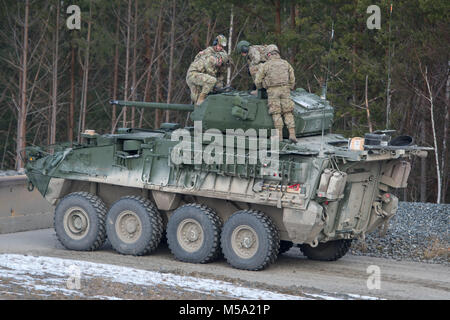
(325, 87)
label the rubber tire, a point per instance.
(96, 211)
(151, 222)
(328, 251)
(211, 225)
(268, 237)
(285, 246)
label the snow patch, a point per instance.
(32, 272)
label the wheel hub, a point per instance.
(244, 241)
(190, 235)
(76, 222)
(128, 226)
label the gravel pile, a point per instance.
(418, 232)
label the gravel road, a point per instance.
(292, 275)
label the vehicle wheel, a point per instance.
(79, 221)
(134, 226)
(250, 240)
(193, 233)
(328, 251)
(285, 246)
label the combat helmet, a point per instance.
(220, 39)
(271, 48)
(242, 46)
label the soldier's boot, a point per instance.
(201, 98)
(292, 136)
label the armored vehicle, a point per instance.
(224, 185)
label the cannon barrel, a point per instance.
(154, 105)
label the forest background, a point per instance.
(56, 82)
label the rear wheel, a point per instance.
(193, 233)
(328, 251)
(134, 226)
(79, 221)
(250, 240)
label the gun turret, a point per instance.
(154, 105)
(241, 110)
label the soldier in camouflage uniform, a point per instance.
(277, 76)
(256, 56)
(217, 49)
(201, 77)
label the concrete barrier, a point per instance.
(21, 210)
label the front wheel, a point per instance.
(79, 221)
(328, 251)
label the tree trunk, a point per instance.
(433, 127)
(149, 56)
(55, 80)
(172, 46)
(388, 89)
(22, 114)
(369, 122)
(277, 17)
(116, 74)
(127, 64)
(423, 165)
(133, 68)
(72, 97)
(158, 97)
(444, 139)
(229, 46)
(85, 78)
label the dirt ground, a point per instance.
(292, 275)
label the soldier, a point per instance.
(217, 49)
(277, 76)
(201, 77)
(256, 56)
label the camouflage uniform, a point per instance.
(222, 70)
(201, 76)
(277, 76)
(255, 58)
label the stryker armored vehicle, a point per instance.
(210, 188)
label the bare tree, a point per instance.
(55, 79)
(436, 151)
(116, 72)
(22, 114)
(127, 64)
(172, 46)
(369, 122)
(70, 114)
(444, 164)
(85, 66)
(133, 66)
(229, 45)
